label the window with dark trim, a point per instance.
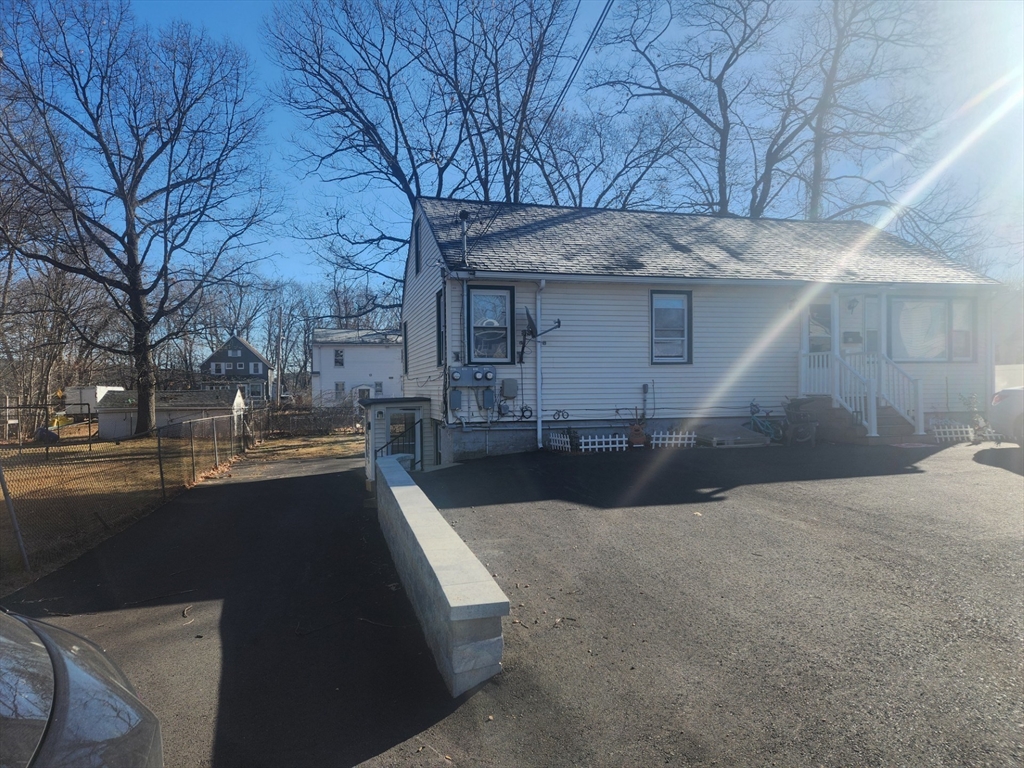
(405, 348)
(491, 323)
(439, 318)
(931, 330)
(671, 316)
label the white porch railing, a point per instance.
(903, 392)
(815, 373)
(894, 385)
(855, 393)
(847, 380)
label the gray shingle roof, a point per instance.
(350, 336)
(241, 342)
(506, 237)
(215, 398)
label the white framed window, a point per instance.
(255, 367)
(339, 390)
(234, 353)
(491, 324)
(931, 330)
(339, 358)
(670, 327)
(364, 393)
(378, 388)
(217, 369)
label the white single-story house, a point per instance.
(117, 412)
(350, 365)
(520, 319)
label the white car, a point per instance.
(1006, 414)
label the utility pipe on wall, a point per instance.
(540, 389)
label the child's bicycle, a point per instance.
(765, 424)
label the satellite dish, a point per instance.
(531, 326)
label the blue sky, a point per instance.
(983, 76)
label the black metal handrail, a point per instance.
(381, 451)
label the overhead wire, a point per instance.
(558, 101)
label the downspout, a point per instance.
(834, 343)
(540, 388)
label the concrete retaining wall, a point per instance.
(458, 604)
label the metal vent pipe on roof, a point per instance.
(464, 218)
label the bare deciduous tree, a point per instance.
(695, 54)
(144, 145)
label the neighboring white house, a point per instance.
(349, 365)
(118, 411)
(519, 319)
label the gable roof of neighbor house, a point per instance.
(353, 336)
(244, 344)
(192, 398)
(539, 239)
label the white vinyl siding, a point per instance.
(423, 377)
(596, 364)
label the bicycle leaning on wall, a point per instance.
(763, 422)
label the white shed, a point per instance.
(118, 411)
(82, 401)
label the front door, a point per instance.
(819, 329)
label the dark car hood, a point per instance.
(95, 718)
(26, 692)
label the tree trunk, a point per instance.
(145, 382)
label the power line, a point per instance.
(579, 63)
(561, 96)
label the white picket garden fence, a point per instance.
(603, 443)
(674, 440)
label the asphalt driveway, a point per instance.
(846, 606)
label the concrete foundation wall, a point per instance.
(458, 604)
(478, 442)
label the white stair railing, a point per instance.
(901, 391)
(855, 393)
(815, 373)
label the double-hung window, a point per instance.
(491, 324)
(255, 367)
(670, 327)
(217, 368)
(931, 330)
(339, 358)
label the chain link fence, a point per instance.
(273, 422)
(65, 490)
(64, 494)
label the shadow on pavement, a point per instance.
(1009, 457)
(649, 478)
(321, 658)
